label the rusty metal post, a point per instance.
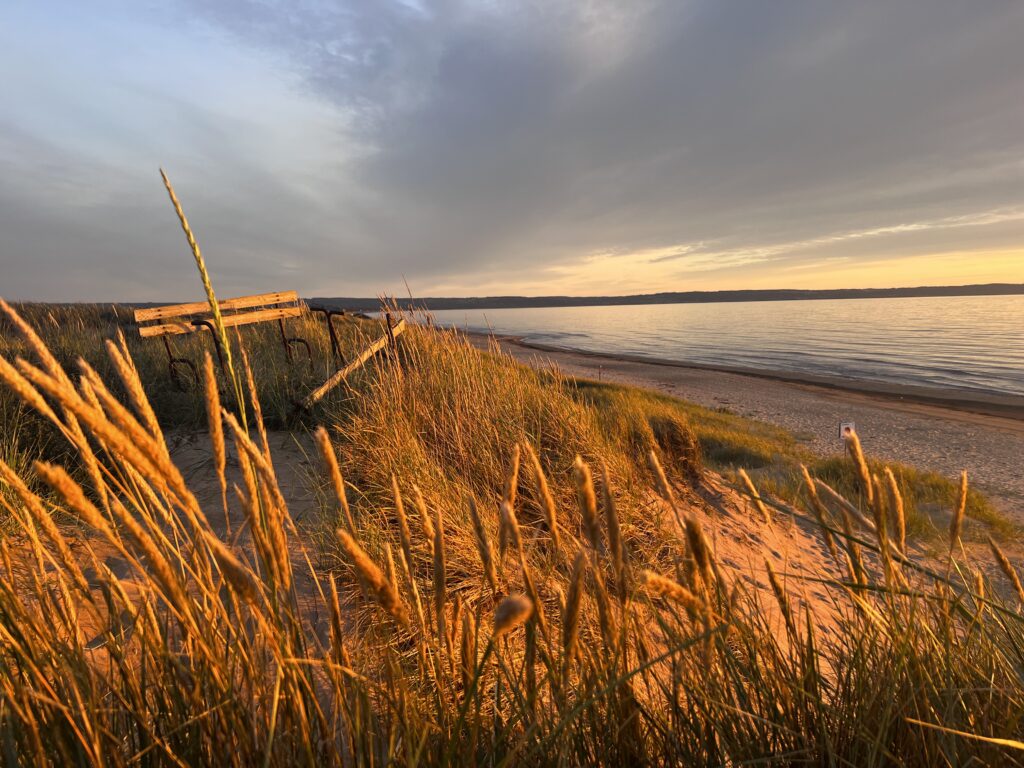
(173, 362)
(329, 315)
(389, 324)
(284, 341)
(208, 325)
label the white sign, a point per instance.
(846, 429)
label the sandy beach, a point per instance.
(946, 434)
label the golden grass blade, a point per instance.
(323, 443)
(755, 496)
(660, 586)
(1008, 570)
(588, 504)
(383, 591)
(957, 521)
(483, 546)
(211, 298)
(854, 447)
(547, 501)
(899, 513)
(820, 513)
(216, 427)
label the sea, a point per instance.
(965, 344)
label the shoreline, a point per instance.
(984, 404)
(936, 432)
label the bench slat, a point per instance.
(198, 307)
(339, 376)
(242, 318)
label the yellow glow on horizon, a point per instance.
(620, 274)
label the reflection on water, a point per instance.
(964, 342)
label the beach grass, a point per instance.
(773, 455)
(511, 568)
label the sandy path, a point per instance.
(989, 447)
(295, 463)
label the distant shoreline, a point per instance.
(677, 297)
(994, 405)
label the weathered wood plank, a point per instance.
(342, 374)
(241, 318)
(200, 307)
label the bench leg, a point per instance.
(287, 342)
(216, 343)
(389, 325)
(329, 315)
(173, 363)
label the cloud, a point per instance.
(542, 146)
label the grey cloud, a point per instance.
(496, 139)
(744, 123)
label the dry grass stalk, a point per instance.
(338, 650)
(218, 320)
(844, 505)
(157, 564)
(853, 445)
(605, 617)
(37, 345)
(588, 504)
(510, 613)
(700, 549)
(133, 385)
(957, 522)
(755, 496)
(414, 593)
(782, 597)
(92, 464)
(134, 446)
(659, 585)
(427, 524)
(858, 574)
(483, 546)
(1007, 568)
(548, 502)
(571, 612)
(880, 512)
(392, 573)
(440, 580)
(510, 524)
(898, 512)
(404, 534)
(615, 544)
(820, 513)
(238, 575)
(467, 649)
(23, 389)
(372, 576)
(254, 400)
(513, 477)
(38, 515)
(323, 443)
(213, 408)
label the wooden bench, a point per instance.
(176, 319)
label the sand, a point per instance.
(945, 434)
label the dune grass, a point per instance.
(773, 456)
(481, 608)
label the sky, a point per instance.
(468, 148)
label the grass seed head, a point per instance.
(510, 613)
(383, 591)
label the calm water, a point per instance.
(973, 343)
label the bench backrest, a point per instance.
(177, 318)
